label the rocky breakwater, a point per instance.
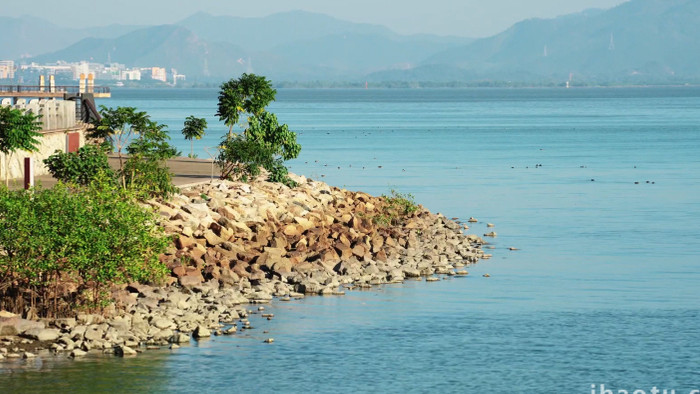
(236, 244)
(265, 239)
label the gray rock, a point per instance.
(162, 323)
(201, 332)
(44, 334)
(124, 351)
(93, 333)
(180, 338)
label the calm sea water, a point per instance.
(605, 289)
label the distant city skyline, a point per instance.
(467, 18)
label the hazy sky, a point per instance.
(472, 18)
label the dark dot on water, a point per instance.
(379, 166)
(636, 183)
(592, 180)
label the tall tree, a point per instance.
(18, 131)
(117, 127)
(194, 129)
(249, 95)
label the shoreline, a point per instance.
(238, 245)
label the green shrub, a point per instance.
(397, 207)
(241, 158)
(79, 167)
(148, 177)
(89, 237)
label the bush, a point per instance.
(241, 158)
(148, 177)
(79, 167)
(64, 244)
(397, 207)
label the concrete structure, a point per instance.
(159, 74)
(7, 69)
(51, 141)
(63, 122)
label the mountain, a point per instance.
(261, 34)
(166, 46)
(293, 46)
(313, 46)
(28, 36)
(641, 40)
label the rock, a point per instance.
(15, 325)
(162, 323)
(432, 279)
(124, 351)
(411, 272)
(231, 330)
(93, 333)
(43, 334)
(180, 338)
(490, 225)
(174, 346)
(26, 355)
(269, 340)
(77, 353)
(472, 220)
(192, 278)
(201, 332)
(491, 234)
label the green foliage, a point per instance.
(265, 143)
(118, 125)
(249, 94)
(397, 207)
(266, 130)
(91, 237)
(145, 171)
(241, 158)
(194, 129)
(18, 131)
(80, 167)
(152, 142)
(148, 177)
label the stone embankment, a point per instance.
(236, 244)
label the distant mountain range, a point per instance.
(640, 41)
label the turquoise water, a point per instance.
(604, 289)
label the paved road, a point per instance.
(186, 171)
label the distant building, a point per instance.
(82, 68)
(131, 75)
(7, 69)
(159, 74)
(177, 77)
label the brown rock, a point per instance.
(212, 239)
(292, 230)
(191, 279)
(359, 250)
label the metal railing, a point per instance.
(19, 89)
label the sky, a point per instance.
(467, 18)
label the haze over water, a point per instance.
(604, 288)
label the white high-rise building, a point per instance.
(7, 69)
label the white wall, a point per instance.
(58, 119)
